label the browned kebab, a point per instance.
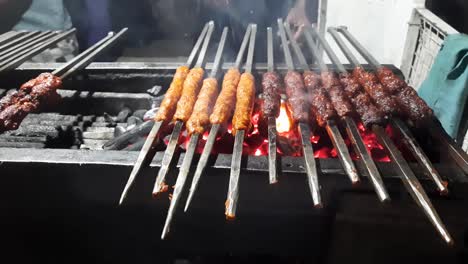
(165, 113)
(325, 113)
(340, 90)
(300, 108)
(272, 86)
(41, 91)
(196, 124)
(241, 123)
(222, 112)
(412, 108)
(408, 178)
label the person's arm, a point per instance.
(11, 12)
(297, 17)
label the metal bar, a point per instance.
(18, 40)
(151, 140)
(315, 52)
(82, 63)
(250, 53)
(270, 51)
(25, 45)
(412, 184)
(243, 46)
(343, 153)
(160, 186)
(201, 57)
(233, 191)
(310, 164)
(360, 147)
(197, 45)
(24, 57)
(181, 179)
(346, 51)
(423, 160)
(271, 120)
(142, 158)
(219, 53)
(297, 50)
(9, 36)
(202, 163)
(331, 54)
(364, 52)
(287, 53)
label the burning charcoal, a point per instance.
(7, 138)
(150, 114)
(132, 135)
(123, 115)
(22, 145)
(137, 146)
(98, 135)
(140, 113)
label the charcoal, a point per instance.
(137, 146)
(133, 120)
(100, 129)
(130, 136)
(140, 113)
(123, 115)
(77, 137)
(7, 138)
(52, 116)
(93, 144)
(89, 118)
(35, 145)
(119, 130)
(101, 124)
(109, 119)
(155, 90)
(35, 131)
(150, 114)
(98, 135)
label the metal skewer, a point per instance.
(233, 190)
(408, 178)
(213, 131)
(150, 142)
(351, 128)
(25, 44)
(271, 120)
(332, 128)
(160, 185)
(304, 131)
(18, 41)
(184, 169)
(409, 141)
(18, 59)
(9, 37)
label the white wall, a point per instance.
(380, 25)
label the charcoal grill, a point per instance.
(74, 186)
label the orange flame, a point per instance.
(283, 122)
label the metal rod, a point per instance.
(360, 147)
(159, 185)
(142, 158)
(250, 53)
(270, 50)
(233, 191)
(18, 40)
(287, 52)
(202, 163)
(310, 164)
(331, 54)
(245, 40)
(25, 45)
(346, 51)
(272, 133)
(411, 143)
(31, 53)
(315, 52)
(363, 51)
(297, 50)
(213, 131)
(197, 46)
(412, 184)
(206, 43)
(181, 179)
(81, 64)
(9, 36)
(219, 53)
(151, 140)
(343, 153)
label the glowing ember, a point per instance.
(283, 122)
(258, 152)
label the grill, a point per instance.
(107, 99)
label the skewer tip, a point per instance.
(160, 189)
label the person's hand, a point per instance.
(298, 19)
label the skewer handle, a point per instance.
(284, 42)
(346, 51)
(250, 54)
(201, 56)
(297, 49)
(270, 56)
(364, 52)
(243, 46)
(197, 45)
